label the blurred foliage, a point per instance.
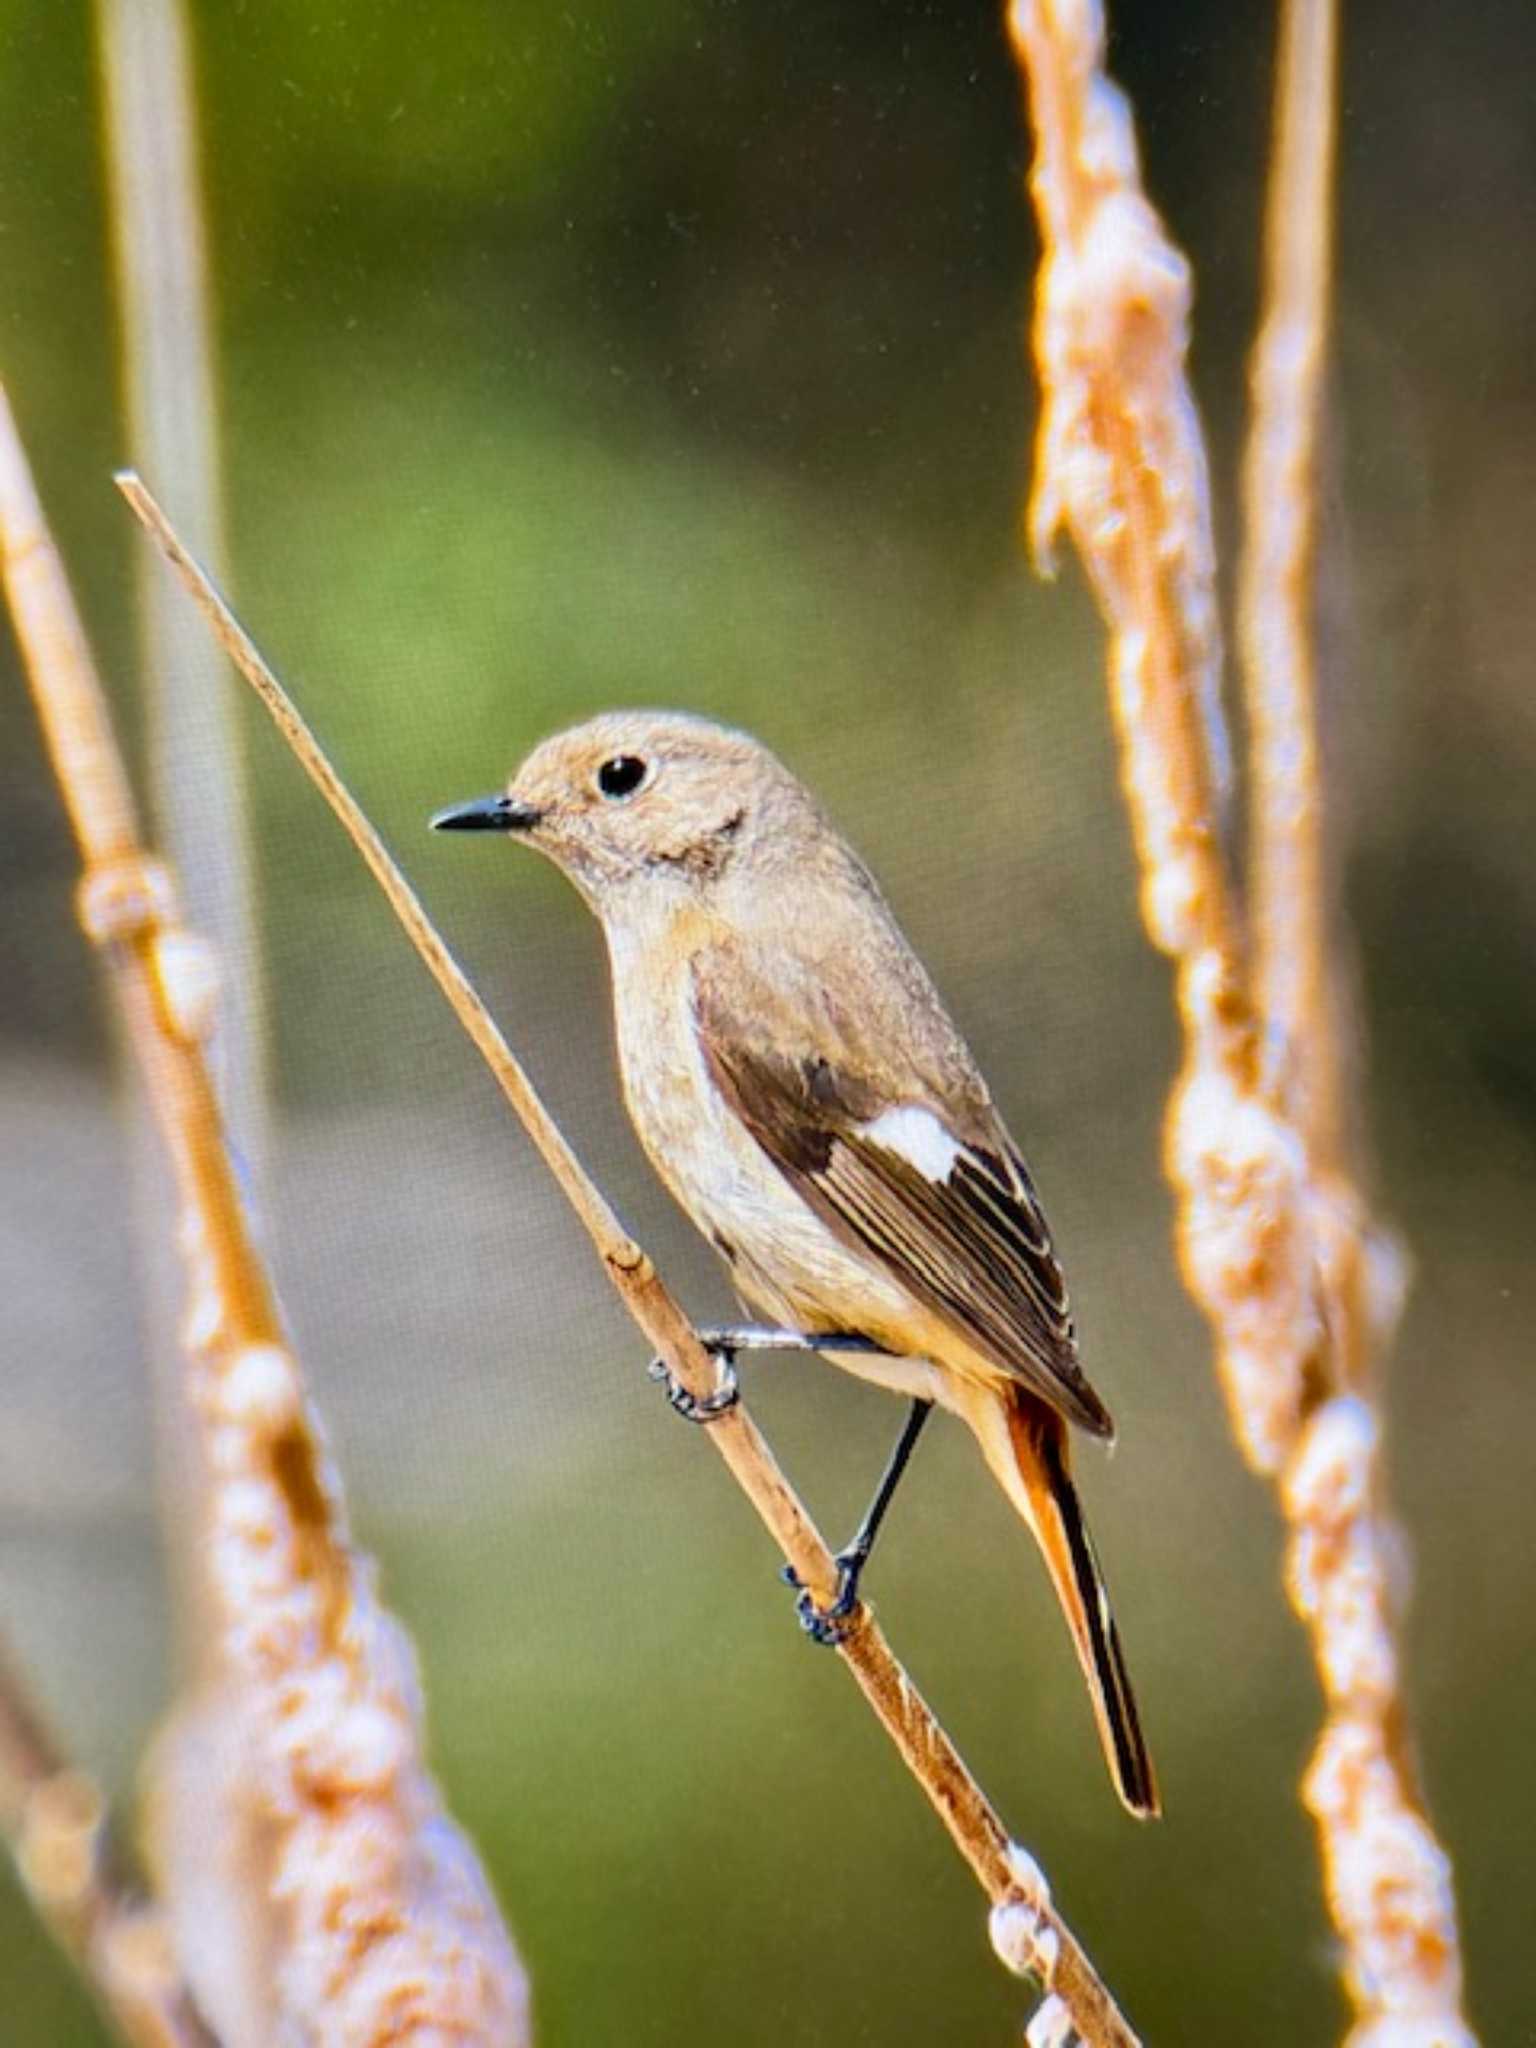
(674, 354)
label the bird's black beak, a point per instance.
(487, 814)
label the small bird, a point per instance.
(799, 1087)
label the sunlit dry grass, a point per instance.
(1302, 1288)
(312, 1880)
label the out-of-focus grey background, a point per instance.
(581, 357)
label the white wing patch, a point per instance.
(919, 1137)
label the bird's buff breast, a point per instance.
(784, 1259)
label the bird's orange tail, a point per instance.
(1025, 1444)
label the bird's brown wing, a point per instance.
(963, 1230)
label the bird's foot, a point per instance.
(702, 1407)
(834, 1624)
(723, 1345)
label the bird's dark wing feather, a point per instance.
(972, 1246)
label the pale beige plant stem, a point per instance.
(54, 1820)
(1388, 1881)
(194, 752)
(1291, 965)
(1301, 1288)
(1028, 1932)
(316, 1887)
(1121, 464)
(154, 186)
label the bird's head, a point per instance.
(644, 795)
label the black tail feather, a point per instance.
(1104, 1663)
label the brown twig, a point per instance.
(54, 1820)
(1028, 1933)
(315, 1884)
(1302, 1290)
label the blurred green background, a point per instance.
(578, 357)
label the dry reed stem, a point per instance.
(1028, 1933)
(196, 755)
(54, 1819)
(1120, 463)
(1291, 968)
(1389, 1883)
(361, 1912)
(1276, 1244)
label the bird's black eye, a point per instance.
(621, 776)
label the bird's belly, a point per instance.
(784, 1258)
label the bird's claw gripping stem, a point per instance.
(829, 1625)
(700, 1407)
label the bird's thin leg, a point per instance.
(723, 1345)
(829, 1624)
(760, 1337)
(852, 1560)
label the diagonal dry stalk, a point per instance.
(1027, 1931)
(1278, 1247)
(315, 1885)
(54, 1820)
